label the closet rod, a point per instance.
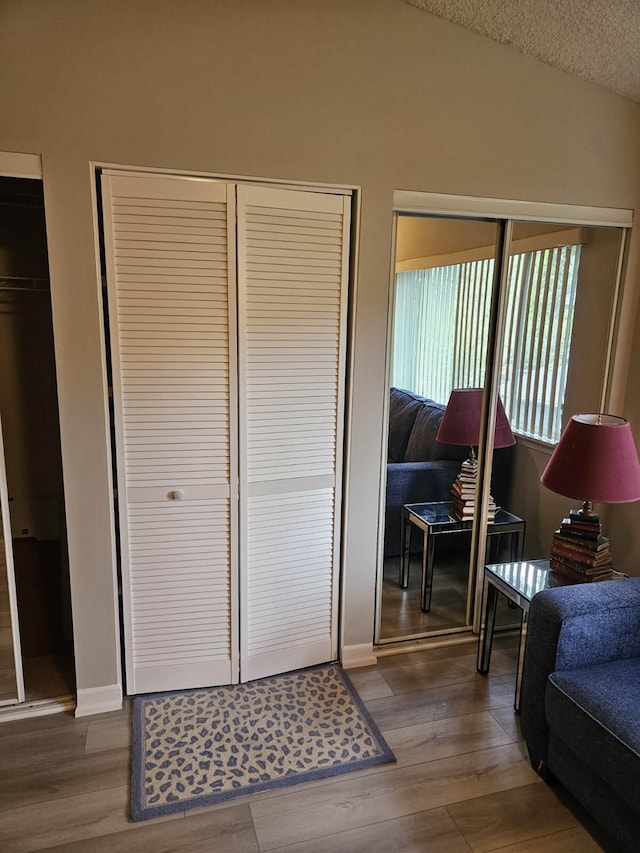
(24, 284)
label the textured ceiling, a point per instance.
(595, 39)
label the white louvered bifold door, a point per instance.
(171, 281)
(292, 287)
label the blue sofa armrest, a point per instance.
(571, 627)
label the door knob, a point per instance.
(175, 495)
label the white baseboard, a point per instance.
(98, 700)
(359, 655)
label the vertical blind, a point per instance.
(540, 308)
(423, 343)
(441, 326)
(472, 324)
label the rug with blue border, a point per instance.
(199, 747)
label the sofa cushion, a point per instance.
(594, 711)
(422, 440)
(403, 408)
(455, 452)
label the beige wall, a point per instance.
(376, 94)
(420, 237)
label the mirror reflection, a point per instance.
(559, 306)
(444, 270)
(559, 315)
(8, 681)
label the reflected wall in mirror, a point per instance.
(560, 306)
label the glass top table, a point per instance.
(519, 582)
(435, 519)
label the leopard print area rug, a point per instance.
(199, 747)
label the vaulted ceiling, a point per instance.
(598, 40)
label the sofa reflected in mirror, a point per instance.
(420, 468)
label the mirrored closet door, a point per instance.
(444, 277)
(35, 602)
(560, 303)
(501, 316)
(11, 677)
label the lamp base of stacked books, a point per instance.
(580, 553)
(463, 492)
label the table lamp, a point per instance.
(461, 425)
(595, 461)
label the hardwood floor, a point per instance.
(401, 612)
(461, 782)
(402, 615)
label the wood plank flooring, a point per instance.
(462, 781)
(401, 612)
(402, 615)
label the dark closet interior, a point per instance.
(30, 427)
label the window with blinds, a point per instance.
(441, 325)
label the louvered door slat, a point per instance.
(170, 262)
(292, 272)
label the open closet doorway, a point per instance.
(526, 309)
(36, 653)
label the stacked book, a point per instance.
(463, 494)
(580, 553)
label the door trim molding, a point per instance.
(275, 183)
(15, 165)
(407, 201)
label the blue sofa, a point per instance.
(580, 704)
(421, 469)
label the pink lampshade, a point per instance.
(460, 423)
(596, 460)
